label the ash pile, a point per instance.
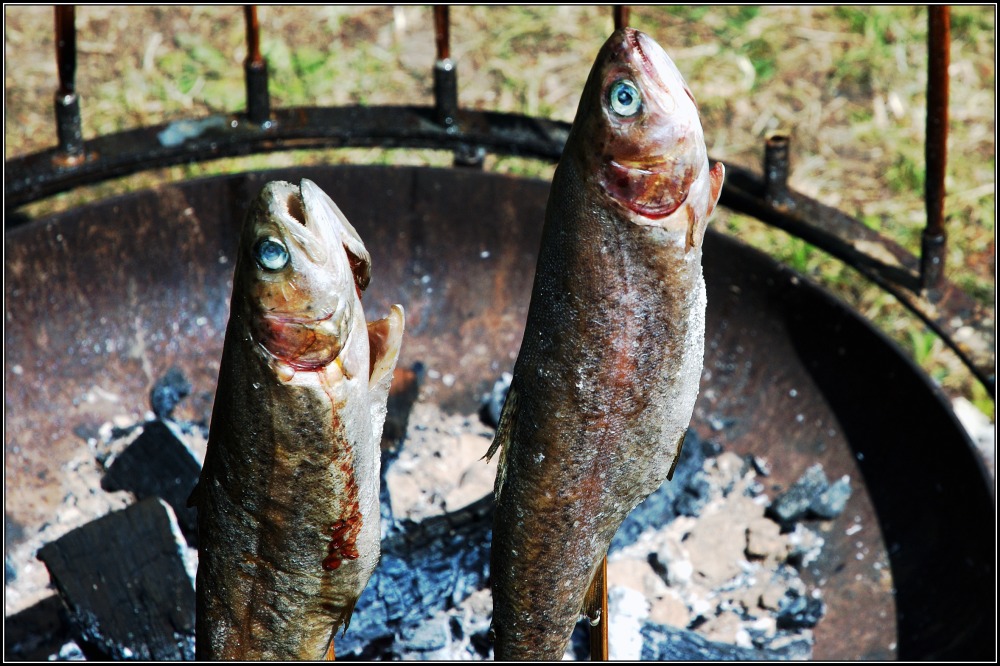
(706, 568)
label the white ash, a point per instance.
(69, 652)
(28, 579)
(440, 468)
(724, 573)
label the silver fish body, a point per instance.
(609, 367)
(288, 498)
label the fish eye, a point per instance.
(625, 98)
(270, 254)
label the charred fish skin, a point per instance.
(288, 498)
(609, 367)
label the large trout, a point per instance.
(608, 371)
(288, 517)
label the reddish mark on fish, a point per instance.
(651, 192)
(344, 531)
(342, 546)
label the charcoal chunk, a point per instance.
(794, 504)
(831, 502)
(169, 390)
(157, 464)
(124, 585)
(796, 611)
(36, 632)
(403, 393)
(492, 403)
(425, 567)
(665, 643)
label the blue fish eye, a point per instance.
(625, 98)
(270, 254)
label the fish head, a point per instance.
(646, 142)
(302, 267)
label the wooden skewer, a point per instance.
(331, 654)
(596, 606)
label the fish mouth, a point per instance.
(651, 190)
(655, 61)
(302, 343)
(321, 211)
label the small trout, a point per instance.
(288, 516)
(606, 379)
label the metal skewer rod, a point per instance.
(934, 241)
(67, 102)
(445, 77)
(621, 13)
(255, 72)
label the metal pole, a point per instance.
(67, 102)
(776, 149)
(445, 76)
(934, 242)
(255, 72)
(621, 13)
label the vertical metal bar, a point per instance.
(442, 38)
(934, 241)
(445, 76)
(621, 13)
(67, 103)
(255, 72)
(446, 90)
(776, 149)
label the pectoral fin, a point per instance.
(385, 337)
(717, 174)
(696, 224)
(502, 439)
(677, 457)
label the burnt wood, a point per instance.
(157, 464)
(123, 582)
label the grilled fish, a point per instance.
(288, 515)
(608, 371)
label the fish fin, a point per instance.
(331, 654)
(385, 337)
(502, 438)
(696, 225)
(717, 174)
(677, 456)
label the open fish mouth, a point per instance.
(652, 190)
(303, 343)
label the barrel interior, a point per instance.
(104, 299)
